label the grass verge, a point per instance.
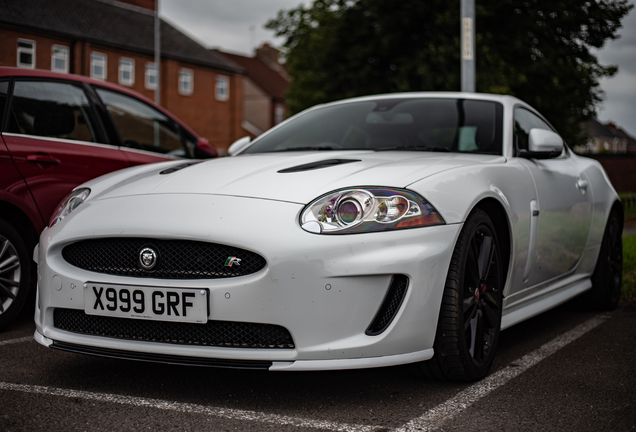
(628, 292)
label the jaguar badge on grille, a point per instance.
(147, 258)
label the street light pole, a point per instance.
(468, 45)
(157, 53)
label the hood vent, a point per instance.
(318, 165)
(179, 167)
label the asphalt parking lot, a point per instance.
(568, 369)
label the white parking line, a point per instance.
(14, 341)
(431, 420)
(435, 417)
(227, 413)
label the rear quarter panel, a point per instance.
(603, 197)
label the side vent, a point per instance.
(390, 305)
(318, 165)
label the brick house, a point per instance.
(264, 89)
(606, 138)
(114, 41)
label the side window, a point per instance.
(524, 121)
(51, 109)
(141, 126)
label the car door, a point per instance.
(562, 214)
(147, 135)
(56, 140)
(13, 189)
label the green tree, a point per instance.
(536, 50)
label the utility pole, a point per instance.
(157, 53)
(468, 45)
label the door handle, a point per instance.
(43, 159)
(582, 185)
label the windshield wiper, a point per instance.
(415, 148)
(308, 148)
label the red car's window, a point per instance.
(51, 109)
(141, 126)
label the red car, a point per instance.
(58, 131)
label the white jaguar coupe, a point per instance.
(384, 230)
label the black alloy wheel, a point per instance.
(15, 273)
(608, 274)
(470, 317)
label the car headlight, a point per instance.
(368, 209)
(69, 204)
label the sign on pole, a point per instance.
(468, 45)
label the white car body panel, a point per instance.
(243, 201)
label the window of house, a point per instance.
(98, 66)
(279, 113)
(126, 71)
(222, 88)
(186, 84)
(151, 76)
(51, 109)
(26, 53)
(59, 58)
(141, 126)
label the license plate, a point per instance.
(149, 303)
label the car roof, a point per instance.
(505, 99)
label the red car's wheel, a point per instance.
(15, 273)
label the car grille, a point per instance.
(390, 305)
(227, 334)
(177, 259)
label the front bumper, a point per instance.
(324, 289)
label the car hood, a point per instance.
(312, 174)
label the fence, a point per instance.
(621, 169)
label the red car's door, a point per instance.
(55, 140)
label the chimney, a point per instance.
(271, 57)
(268, 54)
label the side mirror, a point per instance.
(205, 150)
(238, 145)
(542, 144)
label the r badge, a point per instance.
(232, 260)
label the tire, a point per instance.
(15, 273)
(470, 317)
(608, 274)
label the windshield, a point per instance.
(425, 124)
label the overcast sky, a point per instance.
(237, 26)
